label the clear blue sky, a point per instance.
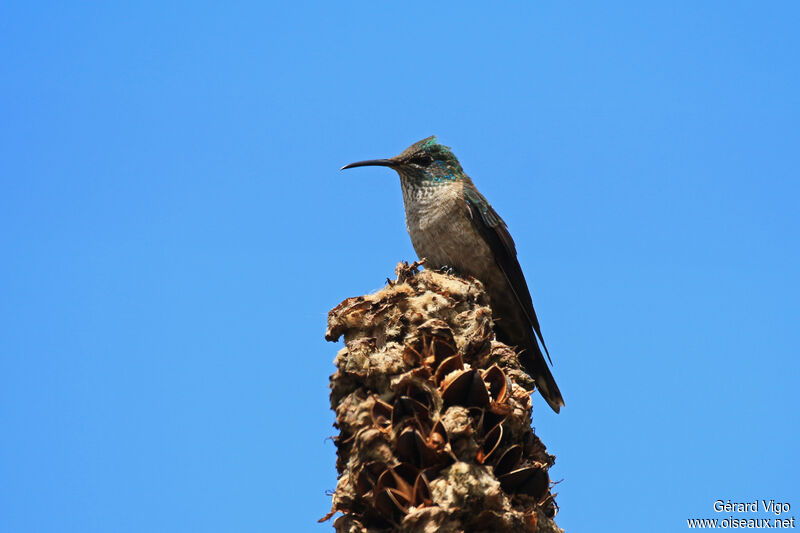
(174, 229)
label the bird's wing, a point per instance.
(495, 232)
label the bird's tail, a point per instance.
(533, 361)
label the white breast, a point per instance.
(440, 229)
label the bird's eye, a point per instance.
(422, 160)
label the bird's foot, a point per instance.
(448, 270)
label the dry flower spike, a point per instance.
(434, 415)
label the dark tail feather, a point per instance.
(534, 363)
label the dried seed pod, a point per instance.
(440, 349)
(391, 503)
(465, 388)
(368, 476)
(508, 460)
(416, 388)
(394, 477)
(422, 491)
(404, 475)
(497, 384)
(437, 337)
(438, 436)
(491, 443)
(409, 411)
(531, 480)
(483, 420)
(412, 357)
(451, 364)
(381, 414)
(412, 448)
(433, 344)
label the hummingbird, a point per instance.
(453, 226)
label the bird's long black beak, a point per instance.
(370, 163)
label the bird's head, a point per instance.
(423, 161)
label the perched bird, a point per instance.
(452, 225)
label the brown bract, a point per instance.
(434, 415)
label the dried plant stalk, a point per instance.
(434, 414)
